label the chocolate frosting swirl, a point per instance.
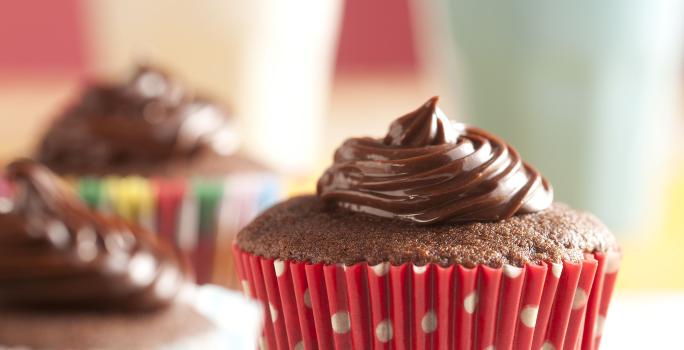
(54, 252)
(429, 170)
(148, 120)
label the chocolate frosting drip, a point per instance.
(54, 252)
(149, 119)
(428, 170)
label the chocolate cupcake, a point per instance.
(153, 152)
(73, 279)
(436, 236)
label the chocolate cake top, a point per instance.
(307, 229)
(142, 126)
(57, 253)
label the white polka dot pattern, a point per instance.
(556, 270)
(279, 267)
(384, 331)
(307, 298)
(245, 288)
(547, 346)
(598, 326)
(381, 269)
(274, 312)
(340, 322)
(468, 286)
(512, 271)
(470, 302)
(580, 299)
(612, 262)
(420, 269)
(528, 316)
(429, 322)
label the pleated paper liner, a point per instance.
(317, 306)
(200, 215)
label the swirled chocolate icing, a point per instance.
(54, 252)
(151, 119)
(428, 169)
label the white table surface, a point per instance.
(643, 320)
(239, 319)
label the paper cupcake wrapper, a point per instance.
(199, 215)
(318, 306)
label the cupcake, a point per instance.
(71, 278)
(438, 236)
(151, 151)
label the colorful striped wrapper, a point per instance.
(199, 215)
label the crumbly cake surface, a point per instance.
(306, 229)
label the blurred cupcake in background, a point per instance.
(72, 278)
(152, 151)
(435, 236)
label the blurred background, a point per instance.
(589, 92)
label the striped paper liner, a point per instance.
(199, 215)
(318, 306)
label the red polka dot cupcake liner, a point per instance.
(318, 306)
